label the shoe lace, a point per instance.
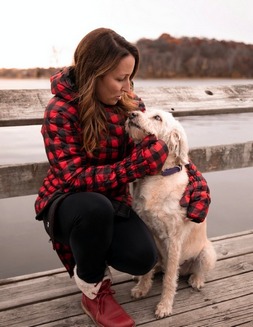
(101, 295)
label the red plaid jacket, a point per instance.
(71, 169)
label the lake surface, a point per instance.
(24, 246)
(45, 84)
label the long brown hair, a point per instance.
(98, 53)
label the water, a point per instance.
(45, 84)
(31, 83)
(24, 246)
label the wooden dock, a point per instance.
(26, 107)
(51, 298)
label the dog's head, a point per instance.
(164, 126)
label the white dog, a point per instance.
(183, 245)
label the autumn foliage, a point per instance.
(169, 57)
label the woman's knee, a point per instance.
(133, 249)
(144, 261)
(135, 265)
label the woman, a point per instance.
(84, 201)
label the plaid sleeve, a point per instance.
(196, 197)
(147, 158)
(71, 166)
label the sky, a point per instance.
(44, 33)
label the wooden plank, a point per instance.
(25, 179)
(247, 324)
(227, 248)
(21, 180)
(26, 107)
(232, 235)
(226, 298)
(223, 157)
(188, 300)
(45, 288)
(231, 267)
(39, 274)
(219, 316)
(200, 99)
(237, 252)
(118, 276)
(230, 313)
(22, 107)
(48, 288)
(214, 294)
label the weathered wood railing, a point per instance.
(26, 107)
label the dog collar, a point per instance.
(170, 171)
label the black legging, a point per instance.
(98, 238)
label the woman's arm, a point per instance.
(196, 198)
(69, 163)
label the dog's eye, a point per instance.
(157, 117)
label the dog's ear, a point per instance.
(179, 146)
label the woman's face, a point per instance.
(111, 87)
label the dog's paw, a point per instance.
(163, 310)
(196, 282)
(137, 292)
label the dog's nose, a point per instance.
(133, 115)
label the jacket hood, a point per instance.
(63, 84)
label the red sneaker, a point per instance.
(104, 310)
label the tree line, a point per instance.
(169, 57)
